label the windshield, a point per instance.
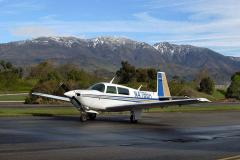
(98, 87)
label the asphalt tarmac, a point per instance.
(168, 136)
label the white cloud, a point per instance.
(212, 24)
(33, 31)
(211, 34)
(18, 6)
(48, 17)
(159, 4)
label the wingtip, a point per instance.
(204, 100)
(36, 94)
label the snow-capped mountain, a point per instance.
(172, 49)
(108, 52)
(235, 58)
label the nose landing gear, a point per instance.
(84, 116)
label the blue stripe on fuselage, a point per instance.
(130, 99)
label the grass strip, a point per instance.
(55, 111)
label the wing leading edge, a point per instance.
(157, 104)
(52, 96)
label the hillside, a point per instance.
(107, 53)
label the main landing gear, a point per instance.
(133, 117)
(84, 116)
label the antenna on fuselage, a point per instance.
(139, 87)
(112, 80)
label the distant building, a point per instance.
(223, 87)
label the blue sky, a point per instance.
(208, 23)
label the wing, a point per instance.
(156, 104)
(52, 96)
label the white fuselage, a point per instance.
(109, 95)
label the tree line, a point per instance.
(45, 77)
(10, 75)
(130, 75)
(49, 77)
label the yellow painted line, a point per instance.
(231, 158)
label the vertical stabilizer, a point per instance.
(162, 85)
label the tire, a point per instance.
(92, 116)
(132, 119)
(83, 117)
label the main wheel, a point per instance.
(132, 119)
(92, 116)
(83, 117)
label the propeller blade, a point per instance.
(64, 87)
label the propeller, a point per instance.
(72, 95)
(69, 93)
(64, 87)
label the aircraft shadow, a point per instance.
(105, 119)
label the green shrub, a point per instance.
(233, 90)
(49, 82)
(207, 85)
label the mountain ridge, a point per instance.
(107, 53)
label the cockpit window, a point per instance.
(98, 87)
(111, 89)
(123, 91)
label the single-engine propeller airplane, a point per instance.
(110, 97)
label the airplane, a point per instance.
(110, 97)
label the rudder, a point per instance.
(162, 85)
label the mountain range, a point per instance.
(106, 53)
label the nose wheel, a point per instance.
(83, 117)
